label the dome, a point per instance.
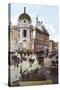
(24, 16)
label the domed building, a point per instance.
(24, 31)
(29, 37)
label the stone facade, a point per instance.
(25, 36)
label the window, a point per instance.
(11, 34)
(24, 33)
(30, 33)
(24, 21)
(24, 40)
(18, 33)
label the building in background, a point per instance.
(13, 38)
(53, 46)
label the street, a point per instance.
(34, 71)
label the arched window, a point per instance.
(24, 40)
(24, 33)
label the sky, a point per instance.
(46, 13)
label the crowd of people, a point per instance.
(29, 64)
(26, 63)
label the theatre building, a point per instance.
(24, 36)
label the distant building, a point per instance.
(13, 38)
(53, 46)
(25, 36)
(56, 46)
